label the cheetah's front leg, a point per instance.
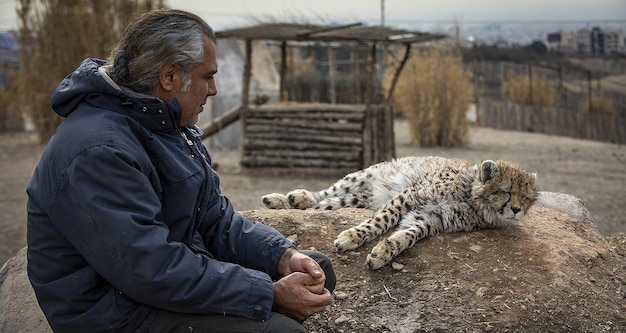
(275, 201)
(413, 227)
(354, 237)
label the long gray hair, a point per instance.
(156, 39)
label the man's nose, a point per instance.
(212, 89)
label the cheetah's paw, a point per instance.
(275, 201)
(348, 240)
(301, 199)
(380, 255)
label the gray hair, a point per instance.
(154, 40)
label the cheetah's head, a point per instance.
(504, 191)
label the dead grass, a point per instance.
(598, 104)
(433, 93)
(530, 90)
(54, 37)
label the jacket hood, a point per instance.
(90, 77)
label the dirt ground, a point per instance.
(592, 171)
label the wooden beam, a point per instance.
(317, 31)
(222, 121)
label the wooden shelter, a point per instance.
(321, 135)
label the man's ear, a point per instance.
(167, 77)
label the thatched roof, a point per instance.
(346, 33)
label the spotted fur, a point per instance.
(424, 196)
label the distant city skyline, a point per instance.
(425, 15)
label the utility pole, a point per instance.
(382, 13)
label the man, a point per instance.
(127, 228)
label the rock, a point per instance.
(340, 295)
(19, 310)
(531, 277)
(397, 266)
(293, 238)
(568, 204)
(342, 319)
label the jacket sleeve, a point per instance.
(233, 238)
(106, 206)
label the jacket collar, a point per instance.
(149, 110)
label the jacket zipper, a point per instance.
(196, 217)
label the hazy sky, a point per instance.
(227, 14)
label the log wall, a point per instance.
(335, 136)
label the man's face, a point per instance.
(202, 86)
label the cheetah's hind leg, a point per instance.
(388, 248)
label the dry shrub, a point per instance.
(599, 104)
(433, 93)
(54, 37)
(10, 119)
(539, 92)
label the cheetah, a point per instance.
(423, 196)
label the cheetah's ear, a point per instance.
(488, 170)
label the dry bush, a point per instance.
(599, 104)
(433, 93)
(10, 119)
(54, 37)
(539, 92)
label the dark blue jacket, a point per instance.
(125, 216)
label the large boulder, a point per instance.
(19, 311)
(553, 272)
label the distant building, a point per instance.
(597, 41)
(561, 41)
(583, 41)
(614, 42)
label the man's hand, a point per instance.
(293, 298)
(294, 261)
(300, 293)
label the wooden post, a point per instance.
(530, 83)
(247, 73)
(283, 71)
(476, 89)
(368, 142)
(562, 94)
(356, 76)
(371, 68)
(590, 89)
(245, 94)
(332, 89)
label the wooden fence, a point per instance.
(298, 135)
(609, 127)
